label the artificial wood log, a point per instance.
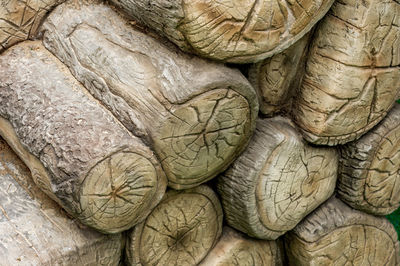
(233, 31)
(336, 234)
(197, 115)
(236, 249)
(369, 175)
(277, 181)
(352, 75)
(181, 230)
(78, 153)
(34, 230)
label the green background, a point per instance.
(394, 218)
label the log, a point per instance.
(78, 153)
(197, 115)
(229, 30)
(237, 249)
(336, 234)
(181, 230)
(35, 231)
(277, 181)
(352, 74)
(369, 178)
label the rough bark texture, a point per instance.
(276, 79)
(236, 249)
(335, 234)
(236, 31)
(352, 75)
(277, 181)
(181, 230)
(198, 115)
(35, 231)
(369, 177)
(79, 154)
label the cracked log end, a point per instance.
(181, 230)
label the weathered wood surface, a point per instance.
(233, 31)
(237, 249)
(277, 181)
(369, 176)
(78, 153)
(198, 115)
(34, 230)
(277, 78)
(352, 75)
(336, 234)
(181, 230)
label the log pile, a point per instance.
(112, 128)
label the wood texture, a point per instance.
(277, 181)
(35, 231)
(369, 178)
(197, 115)
(181, 230)
(78, 153)
(352, 75)
(336, 234)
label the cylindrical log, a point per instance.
(197, 115)
(277, 181)
(237, 249)
(181, 230)
(34, 230)
(229, 30)
(369, 168)
(352, 74)
(336, 234)
(78, 153)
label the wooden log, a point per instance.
(181, 230)
(276, 79)
(197, 115)
(232, 31)
(277, 181)
(336, 234)
(35, 231)
(236, 249)
(352, 75)
(369, 178)
(78, 153)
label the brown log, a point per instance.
(181, 230)
(336, 234)
(197, 115)
(353, 71)
(78, 153)
(369, 177)
(277, 181)
(35, 231)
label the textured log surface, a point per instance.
(35, 231)
(199, 115)
(236, 249)
(78, 152)
(277, 181)
(181, 230)
(369, 178)
(276, 79)
(336, 234)
(352, 75)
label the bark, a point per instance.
(352, 74)
(277, 181)
(35, 231)
(181, 230)
(197, 115)
(78, 153)
(336, 234)
(369, 177)
(236, 249)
